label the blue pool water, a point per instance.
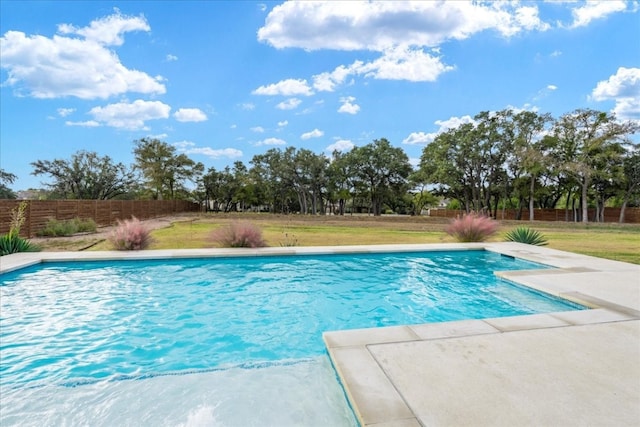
(76, 325)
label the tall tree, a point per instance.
(585, 139)
(6, 179)
(165, 172)
(383, 169)
(527, 159)
(630, 185)
(86, 176)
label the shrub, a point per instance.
(130, 235)
(87, 225)
(526, 235)
(289, 240)
(239, 235)
(56, 228)
(472, 228)
(11, 242)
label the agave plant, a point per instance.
(526, 235)
(11, 244)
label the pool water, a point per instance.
(70, 330)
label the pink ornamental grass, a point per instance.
(130, 235)
(239, 235)
(472, 228)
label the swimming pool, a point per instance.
(201, 328)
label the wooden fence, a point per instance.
(631, 215)
(103, 212)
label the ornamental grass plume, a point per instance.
(472, 227)
(239, 235)
(130, 235)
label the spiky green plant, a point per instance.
(11, 242)
(526, 235)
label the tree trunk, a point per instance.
(624, 206)
(531, 189)
(585, 205)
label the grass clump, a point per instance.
(472, 227)
(11, 242)
(239, 235)
(57, 228)
(130, 235)
(526, 235)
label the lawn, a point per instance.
(612, 241)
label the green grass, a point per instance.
(612, 241)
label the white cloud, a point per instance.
(327, 81)
(84, 67)
(271, 141)
(171, 57)
(405, 64)
(316, 133)
(625, 83)
(593, 10)
(340, 145)
(283, 123)
(623, 88)
(286, 87)
(108, 31)
(86, 124)
(248, 106)
(378, 26)
(190, 115)
(348, 105)
(627, 109)
(289, 104)
(64, 112)
(555, 53)
(233, 126)
(159, 136)
(552, 87)
(230, 153)
(131, 116)
(415, 138)
(183, 145)
(443, 126)
(258, 129)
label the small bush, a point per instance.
(87, 225)
(130, 235)
(472, 228)
(526, 235)
(239, 235)
(56, 228)
(289, 240)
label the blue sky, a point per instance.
(223, 81)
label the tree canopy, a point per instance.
(505, 159)
(86, 176)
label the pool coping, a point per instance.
(383, 386)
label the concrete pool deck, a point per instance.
(569, 368)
